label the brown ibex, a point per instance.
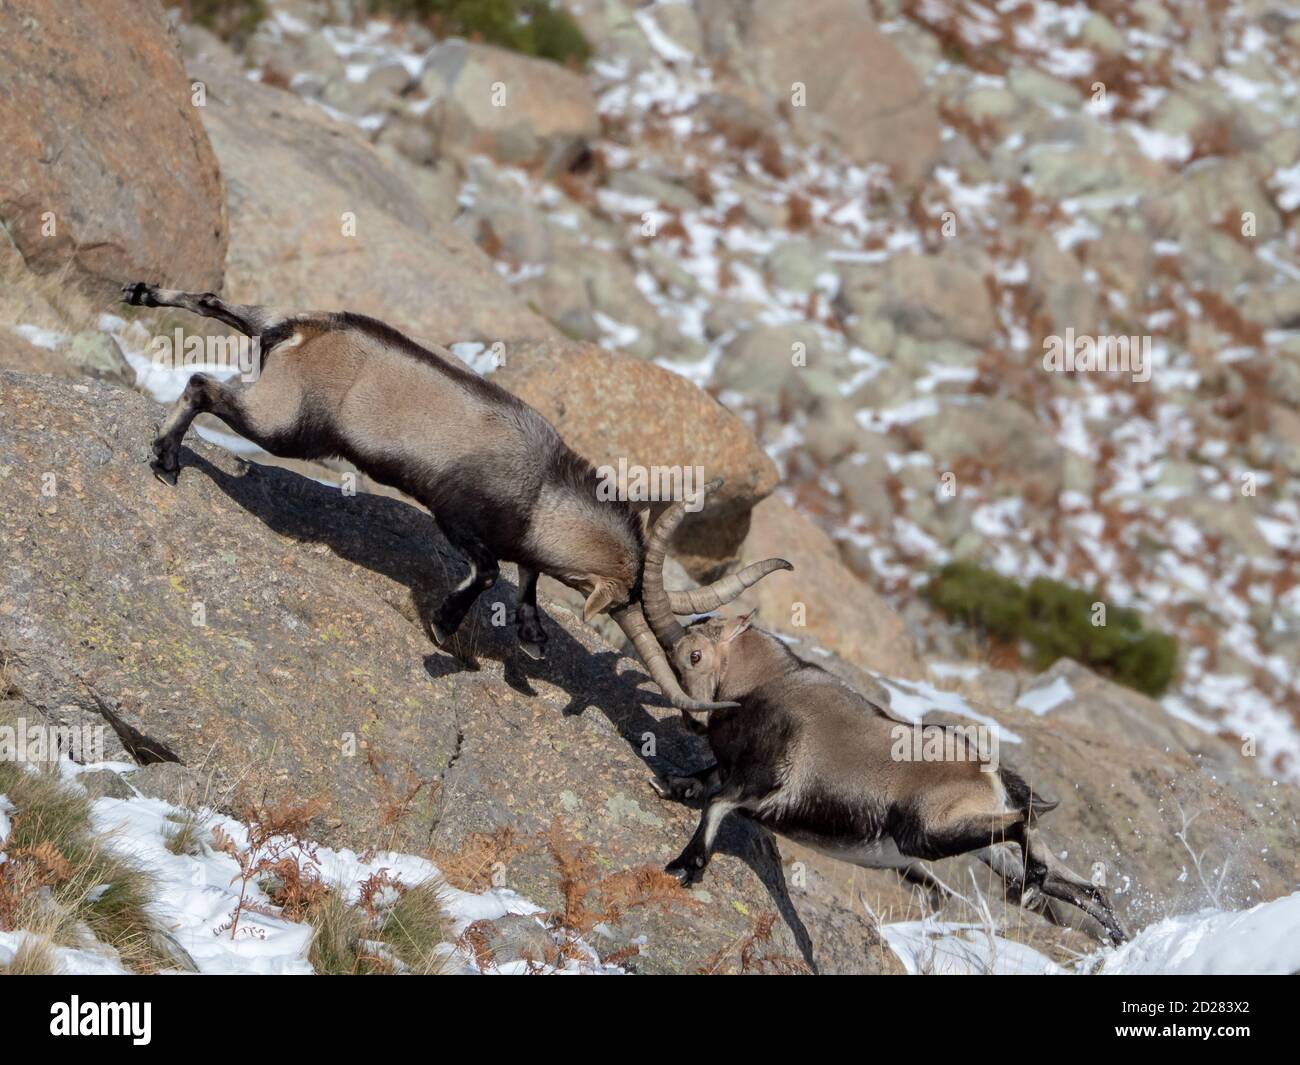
(500, 482)
(813, 760)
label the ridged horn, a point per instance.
(660, 606)
(658, 610)
(724, 589)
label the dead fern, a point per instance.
(757, 954)
(590, 899)
(396, 802)
(276, 853)
(473, 865)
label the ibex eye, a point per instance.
(695, 658)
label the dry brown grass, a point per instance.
(187, 837)
(50, 301)
(392, 930)
(9, 688)
(34, 958)
(63, 884)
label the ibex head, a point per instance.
(700, 654)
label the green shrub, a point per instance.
(1055, 620)
(231, 20)
(555, 35)
(533, 27)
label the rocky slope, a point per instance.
(681, 264)
(98, 140)
(860, 223)
(265, 631)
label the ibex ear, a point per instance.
(736, 626)
(601, 596)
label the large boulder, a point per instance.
(17, 353)
(930, 297)
(265, 629)
(995, 435)
(1076, 694)
(515, 108)
(319, 220)
(860, 91)
(611, 408)
(103, 160)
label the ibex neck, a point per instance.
(756, 658)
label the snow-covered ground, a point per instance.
(197, 894)
(1264, 940)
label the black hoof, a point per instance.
(163, 473)
(678, 788)
(686, 871)
(166, 461)
(137, 294)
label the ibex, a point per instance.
(811, 759)
(498, 479)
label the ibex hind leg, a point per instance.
(962, 835)
(528, 618)
(483, 572)
(248, 318)
(919, 874)
(261, 413)
(1058, 881)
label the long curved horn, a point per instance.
(724, 589)
(658, 609)
(660, 606)
(632, 621)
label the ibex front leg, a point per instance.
(528, 619)
(689, 866)
(265, 413)
(1056, 880)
